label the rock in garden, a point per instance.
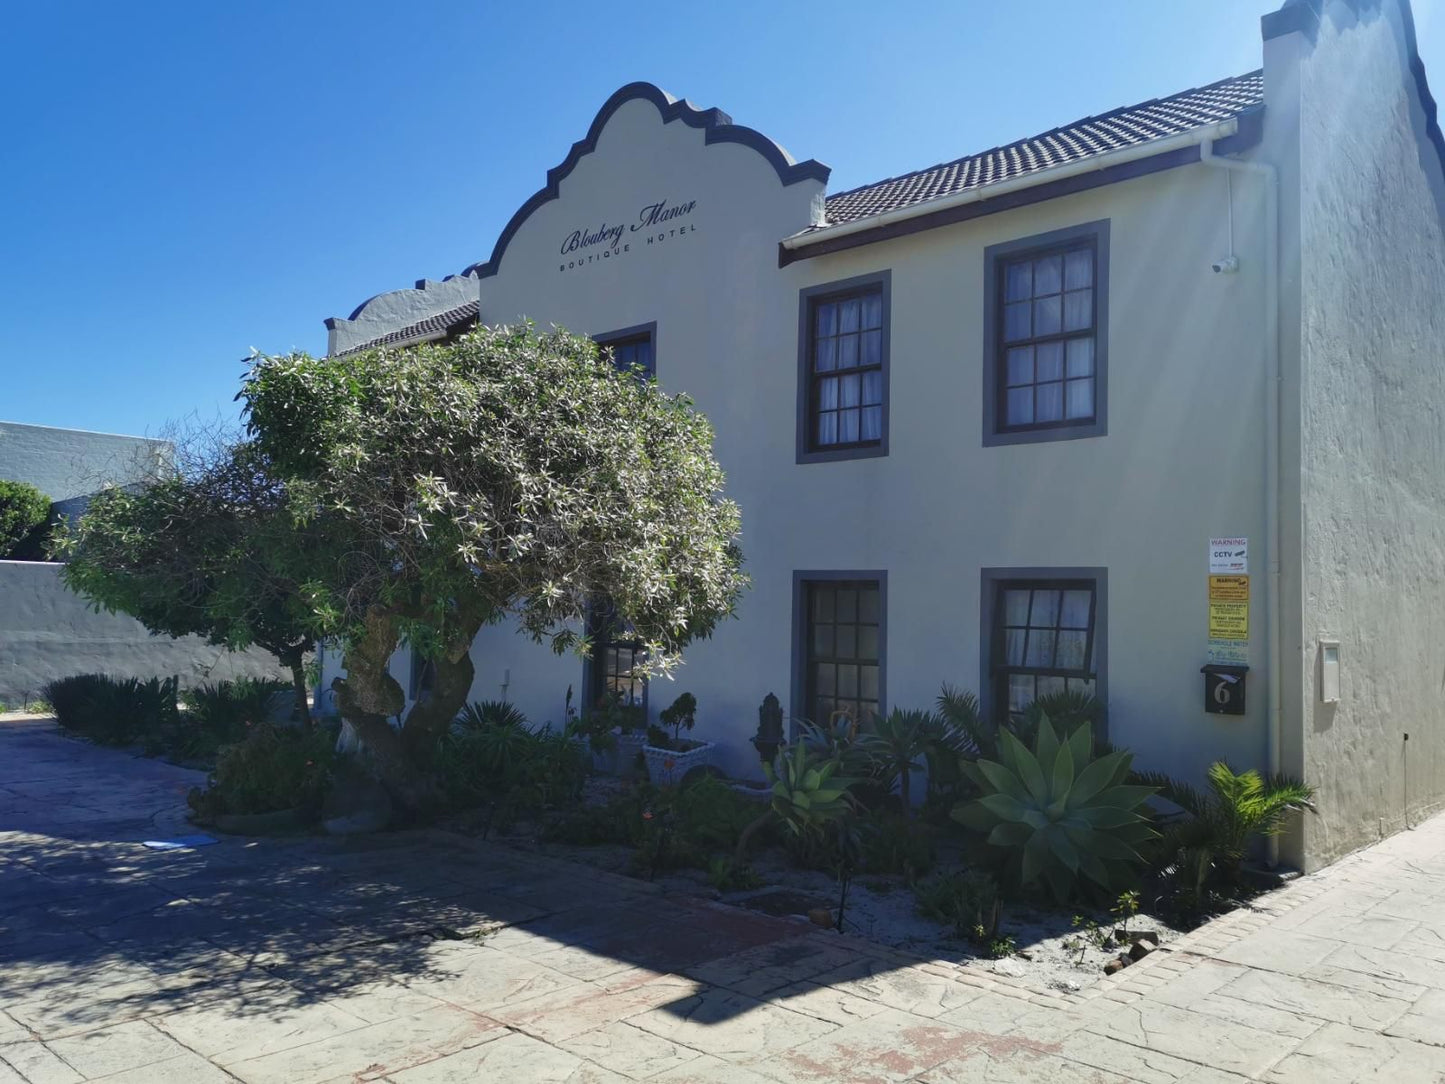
(1152, 936)
(821, 916)
(1116, 965)
(1009, 967)
(1140, 950)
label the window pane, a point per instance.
(847, 351)
(825, 355)
(1078, 310)
(1069, 651)
(846, 600)
(1078, 269)
(822, 604)
(850, 388)
(868, 682)
(1075, 613)
(1019, 282)
(1047, 312)
(1020, 691)
(1013, 654)
(872, 426)
(1050, 361)
(827, 319)
(1041, 648)
(1084, 687)
(867, 642)
(847, 680)
(848, 426)
(1016, 607)
(1050, 404)
(848, 315)
(868, 608)
(873, 310)
(1021, 406)
(1016, 321)
(823, 640)
(872, 353)
(1045, 612)
(1048, 275)
(828, 393)
(828, 428)
(1050, 686)
(1020, 365)
(1081, 398)
(1081, 357)
(847, 642)
(872, 388)
(824, 678)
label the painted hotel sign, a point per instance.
(655, 223)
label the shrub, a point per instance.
(274, 768)
(891, 843)
(1221, 823)
(114, 711)
(1058, 812)
(219, 714)
(483, 713)
(24, 511)
(508, 769)
(966, 900)
(681, 715)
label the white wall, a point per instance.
(48, 632)
(1372, 282)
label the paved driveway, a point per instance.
(422, 957)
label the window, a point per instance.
(616, 662)
(1046, 324)
(632, 346)
(841, 649)
(1043, 634)
(843, 369)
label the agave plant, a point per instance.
(480, 714)
(898, 745)
(1222, 821)
(808, 793)
(1063, 811)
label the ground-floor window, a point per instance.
(841, 649)
(1043, 635)
(616, 666)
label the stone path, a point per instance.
(424, 958)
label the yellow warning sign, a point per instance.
(1228, 620)
(1228, 588)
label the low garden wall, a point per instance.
(47, 632)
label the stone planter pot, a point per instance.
(628, 746)
(669, 766)
(258, 824)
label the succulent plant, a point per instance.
(1063, 811)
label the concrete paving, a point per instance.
(425, 958)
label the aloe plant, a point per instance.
(1063, 812)
(808, 793)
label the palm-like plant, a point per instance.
(897, 746)
(1224, 819)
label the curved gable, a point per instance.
(718, 128)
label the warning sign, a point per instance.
(1228, 588)
(1228, 620)
(1229, 556)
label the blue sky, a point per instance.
(185, 181)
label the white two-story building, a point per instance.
(1157, 392)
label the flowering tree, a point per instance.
(508, 474)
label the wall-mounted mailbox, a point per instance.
(1224, 688)
(1330, 671)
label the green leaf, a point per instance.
(1063, 780)
(1062, 847)
(1047, 744)
(1003, 780)
(1035, 858)
(1094, 778)
(1010, 834)
(1081, 743)
(1004, 806)
(1127, 797)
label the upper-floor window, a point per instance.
(1045, 328)
(843, 369)
(633, 346)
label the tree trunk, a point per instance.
(428, 720)
(291, 658)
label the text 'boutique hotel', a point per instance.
(1147, 406)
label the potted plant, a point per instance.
(624, 723)
(671, 756)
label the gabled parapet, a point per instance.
(385, 313)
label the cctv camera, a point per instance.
(1227, 266)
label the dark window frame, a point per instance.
(594, 667)
(802, 580)
(808, 299)
(627, 335)
(995, 431)
(991, 583)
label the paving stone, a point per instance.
(889, 1047)
(1197, 1037)
(1305, 997)
(373, 1051)
(1378, 930)
(1384, 964)
(629, 1050)
(510, 1058)
(768, 967)
(1340, 1052)
(1425, 1022)
(116, 1049)
(185, 1069)
(1020, 1067)
(1197, 982)
(908, 988)
(486, 977)
(825, 1002)
(1117, 1056)
(729, 1025)
(706, 1069)
(232, 1033)
(565, 1013)
(1291, 952)
(37, 1064)
(1358, 980)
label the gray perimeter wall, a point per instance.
(47, 632)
